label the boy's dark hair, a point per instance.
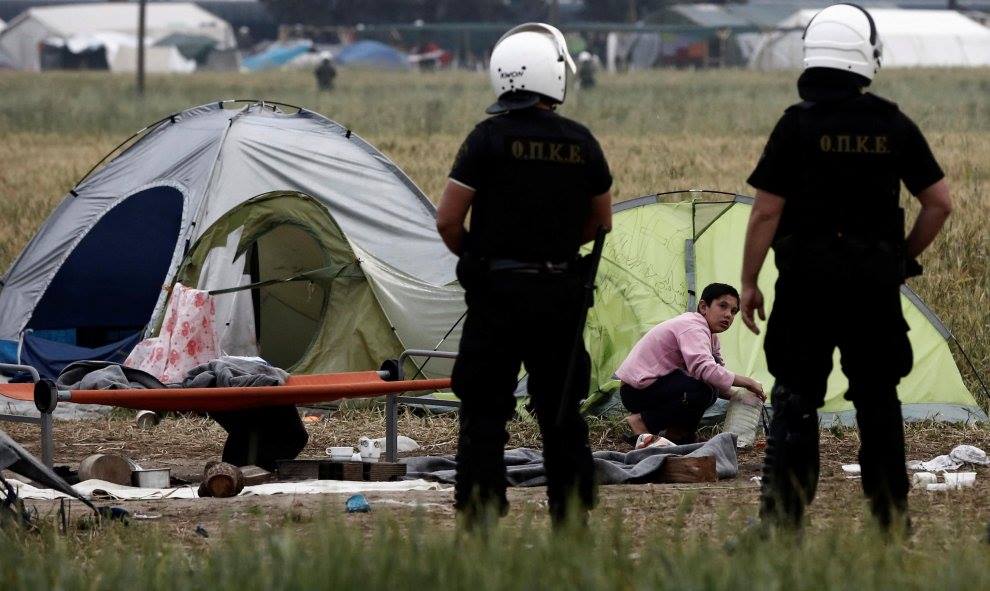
(714, 291)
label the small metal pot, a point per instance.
(151, 478)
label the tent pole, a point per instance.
(142, 11)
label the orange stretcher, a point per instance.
(298, 389)
(302, 389)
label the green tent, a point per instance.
(661, 252)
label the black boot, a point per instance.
(791, 464)
(881, 456)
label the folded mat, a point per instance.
(524, 467)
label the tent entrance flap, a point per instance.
(108, 286)
(289, 287)
(289, 314)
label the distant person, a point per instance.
(586, 69)
(537, 187)
(827, 200)
(325, 73)
(676, 371)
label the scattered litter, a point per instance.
(852, 469)
(114, 514)
(924, 478)
(146, 419)
(201, 531)
(371, 449)
(969, 454)
(144, 516)
(340, 454)
(756, 479)
(357, 504)
(960, 454)
(960, 479)
(953, 481)
(403, 443)
(939, 464)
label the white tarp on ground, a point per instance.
(101, 490)
(23, 35)
(911, 38)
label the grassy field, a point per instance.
(660, 131)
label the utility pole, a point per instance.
(142, 10)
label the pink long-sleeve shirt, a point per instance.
(684, 342)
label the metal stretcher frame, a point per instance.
(45, 420)
(297, 390)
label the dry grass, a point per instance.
(185, 443)
(660, 130)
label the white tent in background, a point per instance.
(911, 38)
(21, 40)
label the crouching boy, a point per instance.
(675, 372)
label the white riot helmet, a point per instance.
(843, 37)
(529, 63)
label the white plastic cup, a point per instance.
(340, 454)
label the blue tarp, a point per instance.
(50, 357)
(372, 54)
(275, 55)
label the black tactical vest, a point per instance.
(846, 218)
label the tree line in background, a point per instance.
(352, 12)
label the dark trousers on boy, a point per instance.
(673, 404)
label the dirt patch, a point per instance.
(185, 443)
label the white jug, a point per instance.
(743, 416)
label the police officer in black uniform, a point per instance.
(827, 199)
(537, 185)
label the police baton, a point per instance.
(587, 302)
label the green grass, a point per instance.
(331, 552)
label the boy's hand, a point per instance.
(756, 388)
(752, 299)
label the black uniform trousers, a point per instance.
(519, 318)
(809, 320)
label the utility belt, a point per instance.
(530, 267)
(473, 270)
(865, 259)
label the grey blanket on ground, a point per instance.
(104, 375)
(524, 467)
(234, 372)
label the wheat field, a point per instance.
(660, 130)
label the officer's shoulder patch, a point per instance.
(882, 101)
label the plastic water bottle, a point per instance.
(743, 416)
